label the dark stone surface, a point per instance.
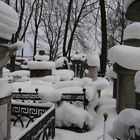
(133, 11)
(40, 73)
(125, 88)
(133, 42)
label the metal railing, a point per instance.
(42, 117)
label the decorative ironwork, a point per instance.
(41, 129)
(77, 99)
(73, 98)
(26, 97)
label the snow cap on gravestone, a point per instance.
(8, 21)
(93, 59)
(132, 31)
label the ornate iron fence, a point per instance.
(79, 100)
(25, 97)
(42, 117)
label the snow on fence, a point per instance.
(42, 117)
(78, 103)
(24, 96)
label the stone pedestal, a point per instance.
(132, 42)
(5, 117)
(3, 54)
(93, 72)
(137, 104)
(133, 11)
(114, 88)
(125, 88)
(40, 72)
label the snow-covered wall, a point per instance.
(8, 21)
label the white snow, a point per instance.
(94, 119)
(41, 65)
(18, 136)
(128, 3)
(93, 59)
(18, 45)
(132, 31)
(67, 114)
(126, 56)
(5, 89)
(49, 94)
(8, 22)
(51, 78)
(42, 57)
(81, 57)
(64, 74)
(71, 83)
(120, 127)
(60, 62)
(20, 73)
(111, 74)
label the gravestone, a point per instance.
(133, 11)
(125, 85)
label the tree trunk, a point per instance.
(103, 56)
(35, 43)
(66, 27)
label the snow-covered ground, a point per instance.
(106, 104)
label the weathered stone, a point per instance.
(132, 42)
(125, 88)
(93, 72)
(40, 73)
(5, 117)
(133, 11)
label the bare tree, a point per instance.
(66, 27)
(37, 20)
(53, 25)
(86, 8)
(20, 7)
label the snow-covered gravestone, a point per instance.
(126, 126)
(78, 62)
(8, 26)
(40, 68)
(93, 62)
(126, 62)
(41, 56)
(132, 35)
(132, 9)
(5, 110)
